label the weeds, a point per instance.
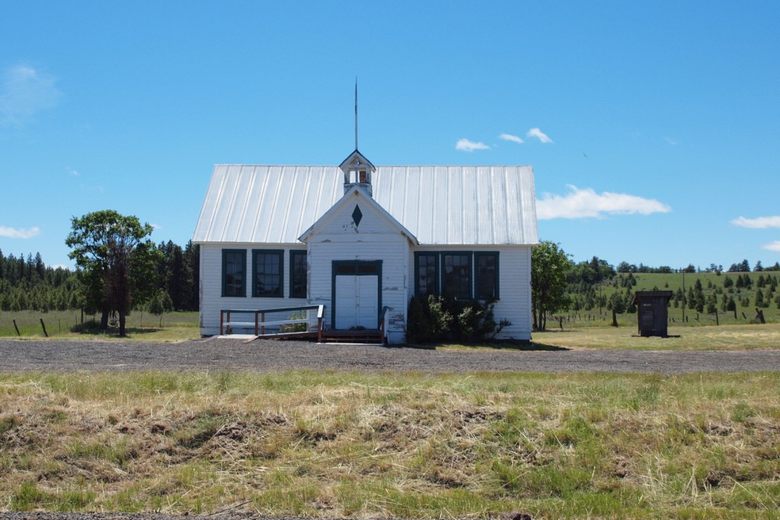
(390, 445)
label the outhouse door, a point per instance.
(356, 294)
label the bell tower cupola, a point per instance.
(357, 172)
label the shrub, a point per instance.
(438, 318)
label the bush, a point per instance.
(445, 319)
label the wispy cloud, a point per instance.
(773, 246)
(466, 145)
(538, 134)
(670, 141)
(586, 203)
(24, 92)
(9, 232)
(72, 172)
(511, 138)
(758, 222)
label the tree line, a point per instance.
(28, 283)
(560, 284)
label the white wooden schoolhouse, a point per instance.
(355, 242)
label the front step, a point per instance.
(353, 336)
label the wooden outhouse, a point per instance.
(652, 312)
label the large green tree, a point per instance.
(549, 266)
(114, 255)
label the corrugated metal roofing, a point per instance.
(442, 205)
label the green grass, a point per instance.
(393, 445)
(176, 326)
(724, 337)
(671, 282)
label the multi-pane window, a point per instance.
(268, 271)
(486, 276)
(456, 277)
(233, 272)
(297, 274)
(426, 273)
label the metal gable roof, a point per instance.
(440, 205)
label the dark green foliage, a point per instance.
(29, 284)
(549, 267)
(438, 318)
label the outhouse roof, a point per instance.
(440, 205)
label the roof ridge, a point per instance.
(380, 165)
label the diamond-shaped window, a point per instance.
(357, 215)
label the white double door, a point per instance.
(357, 301)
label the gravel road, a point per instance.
(268, 356)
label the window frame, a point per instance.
(443, 274)
(297, 253)
(225, 253)
(280, 254)
(496, 283)
(436, 275)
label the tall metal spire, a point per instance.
(356, 115)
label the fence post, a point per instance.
(262, 318)
(43, 326)
(717, 321)
(221, 321)
(256, 314)
(17, 328)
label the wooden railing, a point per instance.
(227, 321)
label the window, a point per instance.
(268, 270)
(426, 274)
(457, 275)
(298, 273)
(233, 272)
(486, 276)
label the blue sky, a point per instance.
(653, 127)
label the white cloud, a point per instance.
(758, 222)
(156, 226)
(24, 92)
(670, 141)
(9, 232)
(72, 172)
(538, 134)
(586, 203)
(465, 145)
(511, 138)
(773, 246)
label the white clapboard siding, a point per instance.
(392, 250)
(514, 285)
(211, 299)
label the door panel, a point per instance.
(345, 302)
(357, 302)
(367, 304)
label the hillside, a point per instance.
(592, 304)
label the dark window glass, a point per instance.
(486, 276)
(298, 274)
(427, 270)
(268, 273)
(233, 272)
(367, 268)
(345, 268)
(457, 275)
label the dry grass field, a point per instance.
(363, 445)
(723, 337)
